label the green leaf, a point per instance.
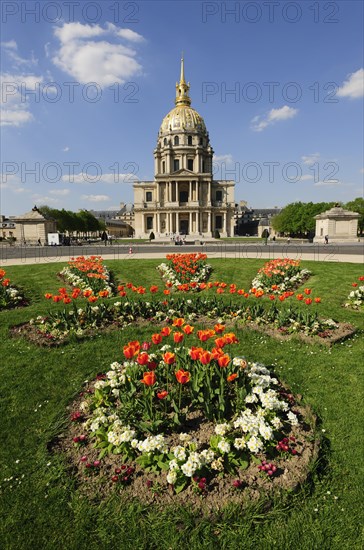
(180, 487)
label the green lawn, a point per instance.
(41, 507)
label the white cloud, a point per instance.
(111, 178)
(306, 177)
(228, 158)
(65, 149)
(362, 170)
(14, 117)
(60, 192)
(327, 182)
(10, 45)
(11, 50)
(44, 199)
(310, 159)
(353, 87)
(100, 61)
(96, 198)
(259, 123)
(14, 108)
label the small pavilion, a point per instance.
(337, 224)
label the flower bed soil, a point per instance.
(328, 337)
(33, 335)
(147, 488)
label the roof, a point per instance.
(337, 212)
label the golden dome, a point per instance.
(182, 116)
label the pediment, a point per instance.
(183, 172)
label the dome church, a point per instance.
(183, 199)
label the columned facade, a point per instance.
(183, 199)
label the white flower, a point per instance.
(224, 446)
(172, 477)
(221, 429)
(180, 453)
(265, 431)
(292, 418)
(239, 443)
(173, 465)
(184, 437)
(218, 464)
(254, 444)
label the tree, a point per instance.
(357, 205)
(297, 219)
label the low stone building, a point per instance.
(337, 224)
(33, 226)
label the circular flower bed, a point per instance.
(279, 275)
(183, 414)
(10, 296)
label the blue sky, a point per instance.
(279, 85)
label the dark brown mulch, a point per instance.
(292, 470)
(328, 336)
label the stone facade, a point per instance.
(338, 224)
(33, 226)
(183, 199)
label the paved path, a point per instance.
(335, 252)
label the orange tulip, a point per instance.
(195, 353)
(308, 301)
(48, 295)
(187, 329)
(318, 300)
(178, 337)
(153, 289)
(232, 377)
(169, 358)
(307, 291)
(166, 331)
(166, 292)
(223, 360)
(92, 299)
(205, 357)
(217, 352)
(156, 338)
(67, 300)
(149, 378)
(219, 328)
(143, 358)
(220, 342)
(178, 322)
(162, 394)
(183, 376)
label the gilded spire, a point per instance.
(182, 88)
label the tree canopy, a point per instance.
(357, 205)
(73, 222)
(297, 219)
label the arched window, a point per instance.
(176, 140)
(165, 141)
(201, 141)
(189, 140)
